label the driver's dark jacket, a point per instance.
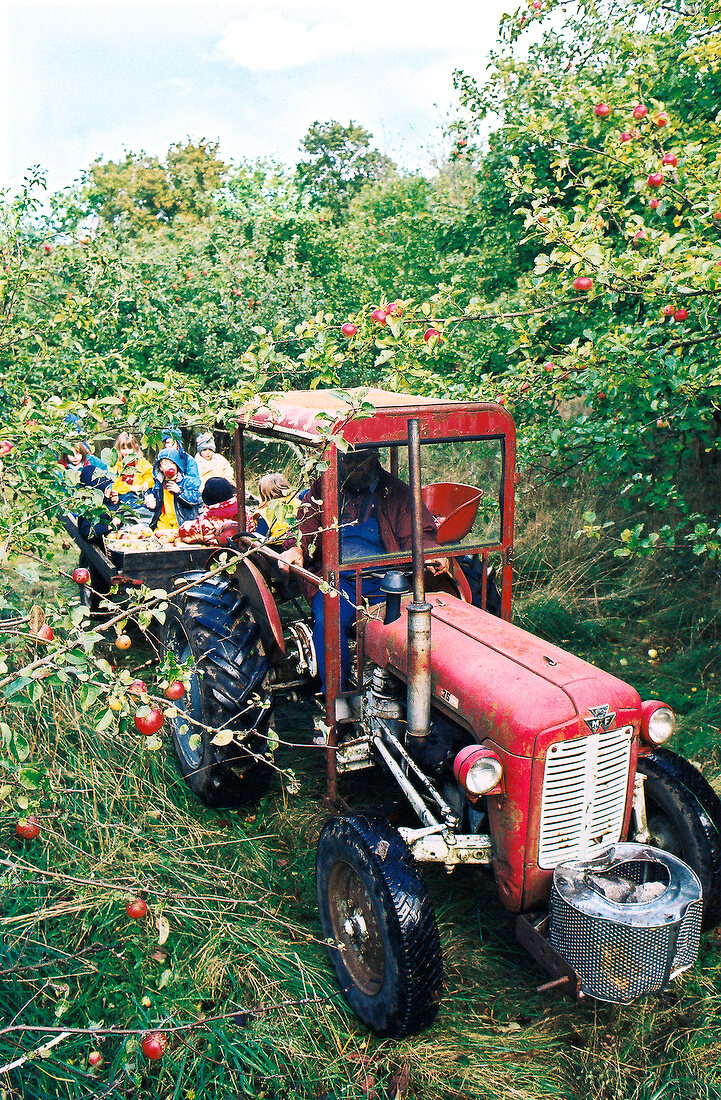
(392, 513)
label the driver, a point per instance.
(374, 519)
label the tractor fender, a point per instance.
(252, 587)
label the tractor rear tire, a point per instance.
(684, 818)
(384, 943)
(229, 691)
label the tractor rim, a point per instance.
(356, 928)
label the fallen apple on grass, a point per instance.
(137, 908)
(154, 1045)
(28, 829)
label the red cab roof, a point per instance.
(364, 415)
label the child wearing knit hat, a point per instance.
(216, 473)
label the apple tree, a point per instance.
(607, 141)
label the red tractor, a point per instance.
(511, 753)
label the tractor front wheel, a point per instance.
(380, 926)
(684, 818)
(208, 627)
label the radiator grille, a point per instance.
(584, 795)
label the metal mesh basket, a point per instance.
(628, 921)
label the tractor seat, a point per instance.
(454, 507)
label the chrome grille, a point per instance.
(584, 795)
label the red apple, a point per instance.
(149, 723)
(601, 395)
(95, 1058)
(662, 119)
(654, 202)
(625, 136)
(582, 282)
(670, 159)
(45, 633)
(154, 1045)
(537, 5)
(394, 309)
(430, 333)
(525, 387)
(48, 248)
(28, 829)
(379, 316)
(462, 142)
(717, 215)
(602, 110)
(667, 311)
(640, 111)
(348, 329)
(6, 447)
(138, 687)
(680, 314)
(548, 367)
(640, 235)
(655, 179)
(81, 575)
(123, 641)
(137, 908)
(174, 690)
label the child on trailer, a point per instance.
(175, 497)
(216, 473)
(279, 508)
(132, 477)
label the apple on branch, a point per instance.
(149, 722)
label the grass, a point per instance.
(236, 890)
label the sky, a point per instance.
(84, 81)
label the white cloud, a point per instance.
(272, 35)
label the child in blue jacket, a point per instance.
(175, 496)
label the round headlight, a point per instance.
(478, 770)
(659, 723)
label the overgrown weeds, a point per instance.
(228, 962)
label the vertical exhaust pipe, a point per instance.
(419, 612)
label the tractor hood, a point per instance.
(502, 682)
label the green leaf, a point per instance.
(105, 721)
